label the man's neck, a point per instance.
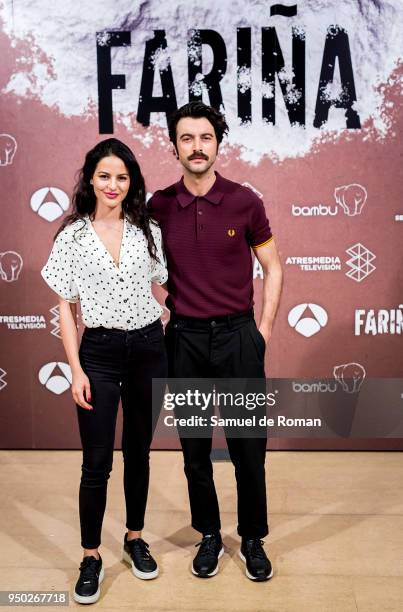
(198, 184)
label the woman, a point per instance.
(105, 256)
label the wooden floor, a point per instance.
(336, 539)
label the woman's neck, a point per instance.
(107, 215)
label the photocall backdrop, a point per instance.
(311, 91)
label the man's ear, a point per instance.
(175, 152)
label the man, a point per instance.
(209, 225)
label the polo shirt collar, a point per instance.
(214, 195)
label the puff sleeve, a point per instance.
(159, 272)
(59, 269)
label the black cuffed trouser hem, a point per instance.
(90, 546)
(249, 534)
(206, 530)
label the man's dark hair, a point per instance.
(198, 109)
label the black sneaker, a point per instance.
(136, 554)
(205, 563)
(87, 589)
(258, 566)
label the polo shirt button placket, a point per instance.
(199, 213)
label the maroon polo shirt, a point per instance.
(207, 241)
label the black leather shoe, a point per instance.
(87, 589)
(205, 563)
(136, 553)
(258, 566)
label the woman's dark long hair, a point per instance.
(133, 206)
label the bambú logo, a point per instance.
(350, 376)
(8, 147)
(351, 198)
(10, 266)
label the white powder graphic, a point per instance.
(61, 69)
(244, 79)
(160, 59)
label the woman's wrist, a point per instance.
(76, 369)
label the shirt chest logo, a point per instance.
(231, 232)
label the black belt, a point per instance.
(208, 323)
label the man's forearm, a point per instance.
(272, 285)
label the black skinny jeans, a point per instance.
(120, 365)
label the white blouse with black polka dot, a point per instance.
(80, 268)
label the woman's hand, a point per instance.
(81, 390)
(80, 386)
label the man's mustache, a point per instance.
(198, 155)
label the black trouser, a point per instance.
(119, 364)
(224, 347)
